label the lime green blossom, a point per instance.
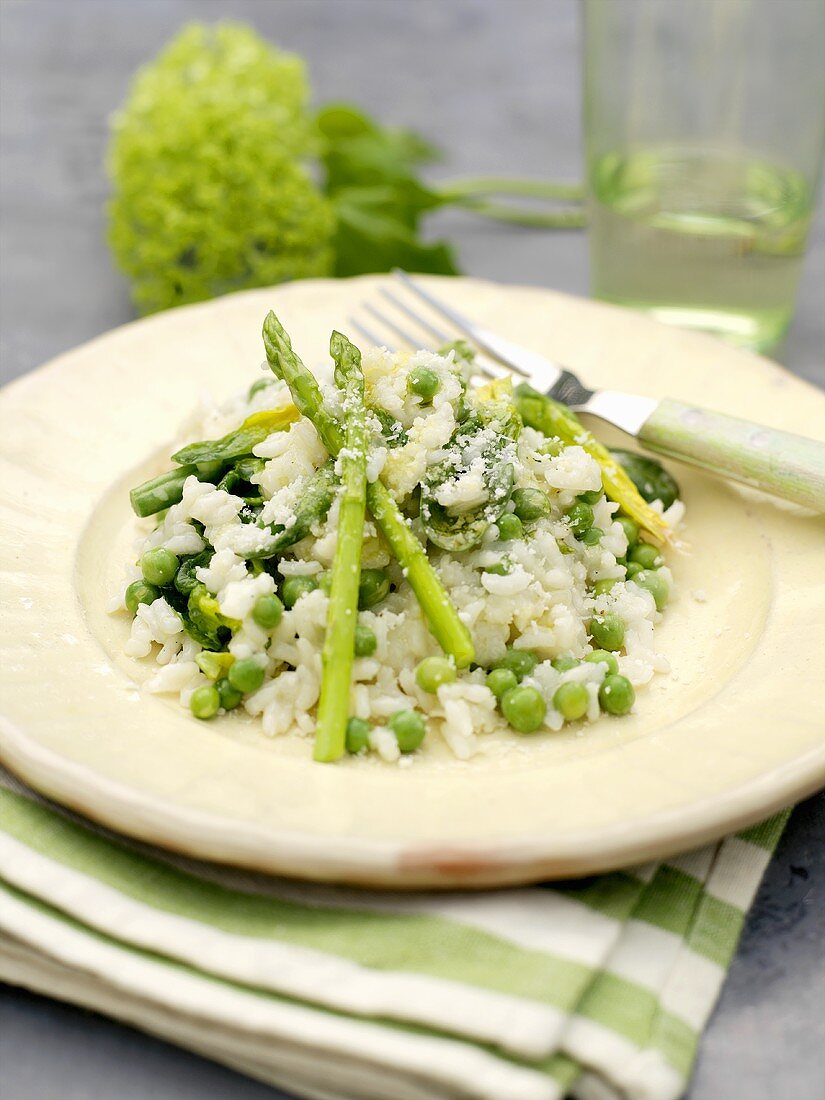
(209, 163)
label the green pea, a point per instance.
(267, 611)
(530, 504)
(510, 527)
(645, 555)
(607, 631)
(524, 708)
(656, 585)
(409, 729)
(600, 587)
(294, 588)
(137, 593)
(159, 566)
(358, 735)
(432, 672)
(186, 578)
(580, 517)
(592, 536)
(229, 696)
(571, 701)
(365, 641)
(616, 694)
(630, 529)
(563, 663)
(520, 661)
(602, 657)
(423, 382)
(205, 701)
(246, 675)
(632, 568)
(373, 587)
(592, 496)
(501, 680)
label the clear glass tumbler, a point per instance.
(704, 132)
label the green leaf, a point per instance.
(355, 147)
(464, 530)
(204, 621)
(374, 235)
(378, 198)
(457, 533)
(186, 578)
(234, 445)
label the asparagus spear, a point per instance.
(316, 498)
(339, 643)
(306, 393)
(546, 415)
(239, 442)
(448, 629)
(160, 492)
(208, 458)
(392, 430)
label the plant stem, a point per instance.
(480, 186)
(479, 194)
(573, 218)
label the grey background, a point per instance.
(496, 83)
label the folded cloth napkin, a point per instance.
(596, 989)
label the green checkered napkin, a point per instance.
(595, 989)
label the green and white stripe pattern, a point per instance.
(595, 989)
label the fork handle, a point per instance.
(780, 463)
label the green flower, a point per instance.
(209, 163)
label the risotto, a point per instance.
(442, 556)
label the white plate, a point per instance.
(734, 733)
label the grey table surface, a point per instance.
(496, 83)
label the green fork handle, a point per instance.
(780, 463)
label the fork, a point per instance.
(780, 463)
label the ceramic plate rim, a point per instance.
(362, 862)
(398, 863)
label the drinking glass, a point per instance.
(704, 133)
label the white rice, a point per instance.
(543, 604)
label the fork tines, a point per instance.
(399, 324)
